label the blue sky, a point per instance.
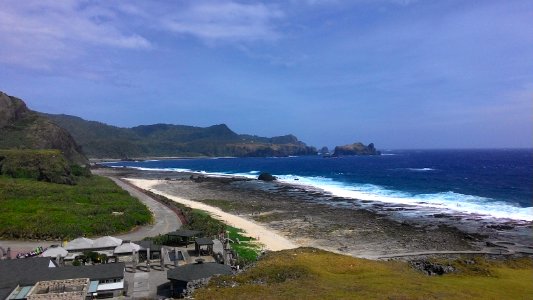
(399, 73)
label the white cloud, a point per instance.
(39, 34)
(226, 21)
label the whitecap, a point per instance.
(444, 201)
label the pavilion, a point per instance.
(182, 236)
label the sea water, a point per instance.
(488, 183)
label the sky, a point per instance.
(402, 74)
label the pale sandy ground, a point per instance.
(270, 239)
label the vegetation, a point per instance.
(21, 128)
(96, 206)
(105, 141)
(44, 165)
(201, 220)
(307, 273)
(247, 250)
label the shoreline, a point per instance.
(270, 239)
(299, 216)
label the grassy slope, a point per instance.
(307, 273)
(34, 209)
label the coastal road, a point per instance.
(165, 220)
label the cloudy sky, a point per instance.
(399, 73)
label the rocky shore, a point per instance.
(313, 218)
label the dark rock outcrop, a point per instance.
(266, 177)
(356, 149)
(431, 268)
(22, 128)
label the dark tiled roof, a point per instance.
(184, 233)
(30, 270)
(197, 271)
(204, 241)
(4, 292)
(14, 270)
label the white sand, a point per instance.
(267, 237)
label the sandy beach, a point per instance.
(267, 237)
(286, 216)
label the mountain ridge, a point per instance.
(22, 128)
(100, 140)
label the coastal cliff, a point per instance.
(356, 149)
(22, 128)
(100, 140)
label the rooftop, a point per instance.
(80, 243)
(106, 242)
(29, 271)
(184, 233)
(54, 252)
(204, 241)
(127, 247)
(197, 271)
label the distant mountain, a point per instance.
(22, 128)
(356, 149)
(100, 140)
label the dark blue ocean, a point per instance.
(492, 183)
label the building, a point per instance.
(184, 277)
(69, 289)
(19, 276)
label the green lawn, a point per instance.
(42, 210)
(307, 273)
(248, 248)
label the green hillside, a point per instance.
(307, 273)
(22, 128)
(100, 140)
(43, 165)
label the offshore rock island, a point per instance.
(356, 149)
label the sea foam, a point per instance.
(445, 201)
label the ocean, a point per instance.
(492, 184)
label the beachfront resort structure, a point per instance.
(109, 267)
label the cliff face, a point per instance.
(22, 128)
(100, 140)
(356, 149)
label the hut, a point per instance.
(127, 252)
(199, 243)
(106, 243)
(182, 236)
(54, 251)
(149, 250)
(80, 244)
(184, 277)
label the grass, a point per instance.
(307, 273)
(43, 165)
(202, 220)
(248, 249)
(31, 209)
